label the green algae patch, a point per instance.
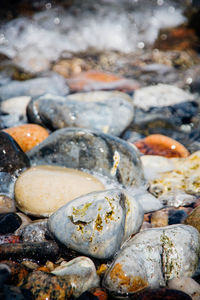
(80, 212)
(98, 223)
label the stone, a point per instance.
(39, 251)
(34, 87)
(9, 222)
(17, 271)
(159, 219)
(157, 144)
(194, 218)
(88, 296)
(45, 285)
(6, 204)
(8, 292)
(180, 185)
(98, 80)
(27, 136)
(152, 257)
(9, 238)
(109, 112)
(91, 150)
(11, 156)
(13, 111)
(160, 294)
(81, 274)
(35, 232)
(98, 223)
(160, 95)
(187, 285)
(41, 190)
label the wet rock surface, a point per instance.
(109, 112)
(90, 150)
(98, 223)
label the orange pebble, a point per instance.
(158, 144)
(27, 135)
(87, 81)
(100, 293)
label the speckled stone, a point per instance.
(35, 232)
(81, 273)
(109, 112)
(27, 136)
(41, 190)
(91, 150)
(48, 286)
(98, 223)
(17, 271)
(152, 257)
(194, 218)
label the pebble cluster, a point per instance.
(99, 189)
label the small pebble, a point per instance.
(9, 222)
(157, 144)
(28, 135)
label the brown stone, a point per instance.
(194, 218)
(159, 218)
(161, 294)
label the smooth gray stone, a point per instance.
(85, 149)
(109, 112)
(154, 256)
(98, 223)
(34, 87)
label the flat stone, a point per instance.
(109, 112)
(81, 273)
(91, 150)
(152, 257)
(27, 136)
(98, 80)
(160, 95)
(34, 87)
(41, 190)
(98, 223)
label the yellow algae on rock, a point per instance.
(41, 190)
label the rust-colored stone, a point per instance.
(27, 135)
(158, 144)
(131, 283)
(18, 272)
(96, 80)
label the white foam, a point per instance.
(109, 26)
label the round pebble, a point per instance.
(28, 135)
(41, 190)
(158, 144)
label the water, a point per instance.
(125, 26)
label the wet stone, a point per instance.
(9, 238)
(11, 156)
(90, 150)
(109, 112)
(177, 217)
(96, 80)
(6, 204)
(152, 257)
(44, 285)
(98, 223)
(9, 222)
(41, 190)
(157, 144)
(81, 274)
(34, 87)
(17, 272)
(27, 136)
(8, 292)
